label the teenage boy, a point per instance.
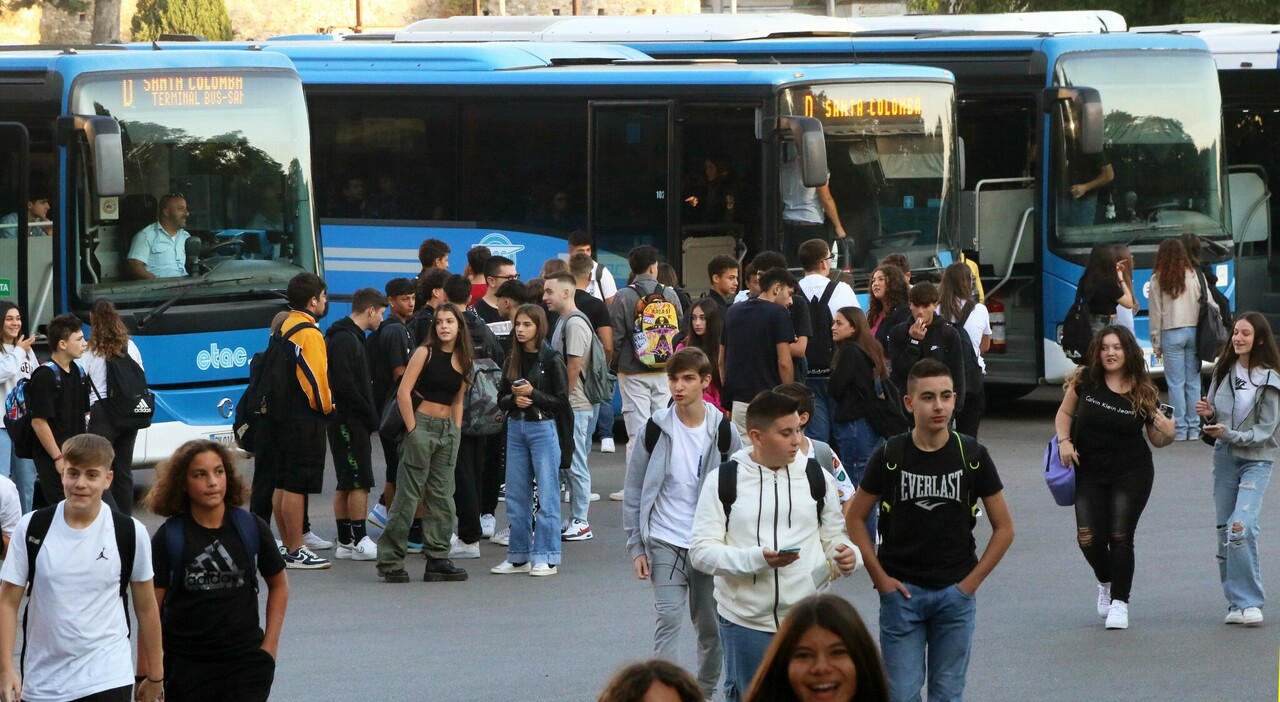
(433, 253)
(798, 307)
(75, 631)
(664, 477)
(825, 297)
(756, 351)
(581, 266)
(927, 335)
(644, 389)
(498, 270)
(474, 452)
(817, 449)
(57, 398)
(428, 294)
(927, 570)
(761, 573)
(355, 420)
(723, 273)
(572, 338)
(389, 348)
(600, 283)
(297, 446)
(751, 281)
(477, 256)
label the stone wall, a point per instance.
(259, 19)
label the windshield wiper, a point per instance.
(147, 318)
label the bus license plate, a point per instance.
(226, 438)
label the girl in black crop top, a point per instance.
(1107, 416)
(430, 399)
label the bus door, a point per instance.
(14, 167)
(632, 192)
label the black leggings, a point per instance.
(1107, 510)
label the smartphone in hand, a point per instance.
(789, 549)
(1167, 411)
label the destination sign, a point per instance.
(863, 108)
(210, 90)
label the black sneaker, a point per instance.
(441, 570)
(399, 575)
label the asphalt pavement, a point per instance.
(349, 636)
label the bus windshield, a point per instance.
(890, 154)
(1159, 174)
(233, 147)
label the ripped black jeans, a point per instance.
(1109, 501)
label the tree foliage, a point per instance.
(1136, 12)
(206, 18)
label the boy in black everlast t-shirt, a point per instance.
(927, 571)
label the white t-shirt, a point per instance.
(77, 636)
(1246, 386)
(10, 506)
(844, 486)
(812, 285)
(95, 367)
(672, 519)
(607, 287)
(977, 326)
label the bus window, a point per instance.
(630, 176)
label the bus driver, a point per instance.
(159, 249)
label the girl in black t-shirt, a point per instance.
(1106, 417)
(214, 646)
(1103, 285)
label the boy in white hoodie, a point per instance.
(664, 476)
(771, 533)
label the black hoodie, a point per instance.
(349, 375)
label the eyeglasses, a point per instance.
(513, 276)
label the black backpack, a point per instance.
(822, 348)
(895, 452)
(728, 486)
(973, 378)
(175, 542)
(126, 545)
(272, 379)
(129, 404)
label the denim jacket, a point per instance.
(1254, 438)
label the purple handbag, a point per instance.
(1060, 478)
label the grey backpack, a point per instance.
(480, 413)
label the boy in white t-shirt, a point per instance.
(679, 446)
(76, 640)
(10, 512)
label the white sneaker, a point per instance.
(606, 446)
(1104, 599)
(617, 496)
(577, 530)
(595, 497)
(487, 525)
(502, 538)
(464, 550)
(365, 550)
(315, 543)
(1118, 615)
(506, 568)
(542, 570)
(377, 517)
(1252, 616)
(280, 547)
(1235, 615)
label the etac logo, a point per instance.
(216, 357)
(500, 245)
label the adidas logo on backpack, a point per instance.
(142, 407)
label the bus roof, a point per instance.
(1234, 46)
(75, 60)
(745, 26)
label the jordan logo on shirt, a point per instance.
(214, 569)
(102, 555)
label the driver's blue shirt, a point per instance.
(164, 255)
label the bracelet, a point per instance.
(57, 458)
(1063, 441)
(154, 681)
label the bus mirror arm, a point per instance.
(1086, 103)
(106, 148)
(811, 148)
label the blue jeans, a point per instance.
(1182, 373)
(930, 632)
(604, 420)
(533, 453)
(1238, 488)
(579, 471)
(743, 649)
(819, 426)
(22, 471)
(855, 442)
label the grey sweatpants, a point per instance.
(675, 582)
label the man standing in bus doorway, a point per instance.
(159, 249)
(1088, 172)
(805, 210)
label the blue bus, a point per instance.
(514, 146)
(104, 134)
(1036, 111)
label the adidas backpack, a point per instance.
(657, 321)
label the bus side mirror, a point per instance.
(1086, 105)
(811, 148)
(105, 146)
